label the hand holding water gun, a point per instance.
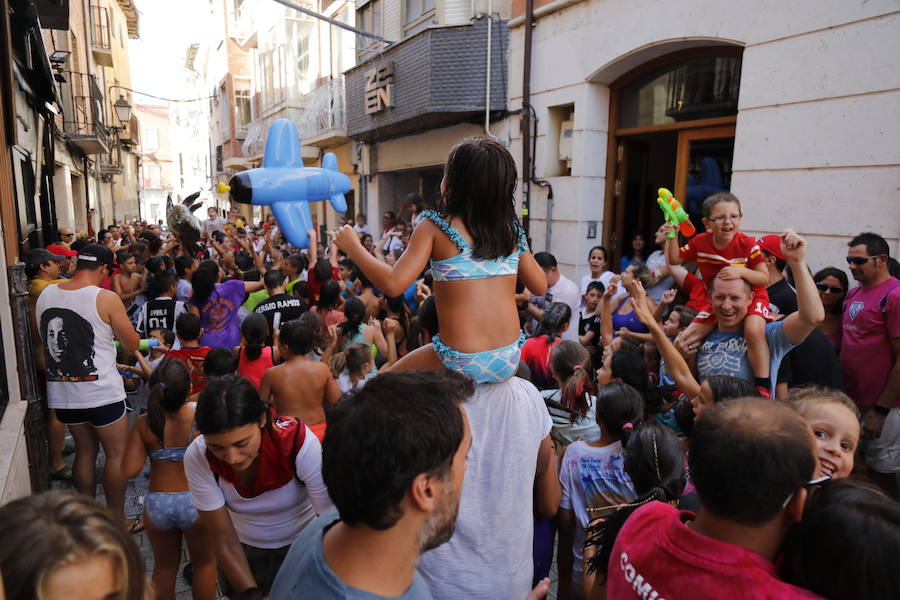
(143, 346)
(675, 214)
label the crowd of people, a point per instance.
(434, 411)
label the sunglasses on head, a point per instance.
(810, 487)
(859, 260)
(829, 288)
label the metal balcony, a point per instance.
(322, 122)
(101, 47)
(83, 119)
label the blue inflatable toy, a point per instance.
(285, 185)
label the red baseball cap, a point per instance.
(772, 245)
(61, 250)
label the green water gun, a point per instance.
(143, 346)
(675, 214)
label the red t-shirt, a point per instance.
(694, 287)
(743, 251)
(536, 354)
(193, 358)
(314, 285)
(657, 556)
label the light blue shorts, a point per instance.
(490, 366)
(171, 510)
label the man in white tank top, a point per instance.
(78, 322)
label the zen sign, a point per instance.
(379, 88)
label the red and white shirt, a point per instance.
(743, 251)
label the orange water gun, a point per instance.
(675, 214)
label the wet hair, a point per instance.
(329, 295)
(203, 283)
(182, 264)
(620, 409)
(480, 182)
(155, 265)
(602, 249)
(298, 336)
(323, 269)
(718, 198)
(805, 398)
(170, 385)
(44, 532)
(355, 311)
(727, 387)
(353, 360)
(654, 462)
(163, 282)
(218, 363)
(168, 336)
(414, 419)
(227, 403)
(570, 362)
(545, 260)
(188, 326)
(154, 244)
(847, 544)
(874, 243)
(255, 329)
(769, 457)
(274, 278)
(841, 276)
(552, 320)
(685, 315)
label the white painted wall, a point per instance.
(819, 111)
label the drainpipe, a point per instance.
(487, 80)
(526, 119)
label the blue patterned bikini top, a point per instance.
(172, 454)
(464, 265)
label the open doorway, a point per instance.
(674, 127)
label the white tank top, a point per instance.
(79, 351)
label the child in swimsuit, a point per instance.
(476, 248)
(169, 510)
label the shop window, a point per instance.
(698, 88)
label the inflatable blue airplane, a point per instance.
(284, 184)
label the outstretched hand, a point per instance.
(638, 299)
(793, 247)
(345, 238)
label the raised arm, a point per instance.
(604, 309)
(810, 311)
(673, 257)
(532, 275)
(393, 281)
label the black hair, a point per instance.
(847, 544)
(218, 363)
(596, 285)
(209, 264)
(274, 278)
(203, 283)
(347, 264)
(545, 260)
(100, 235)
(428, 317)
(654, 462)
(243, 261)
(182, 264)
(841, 276)
(718, 198)
(479, 187)
(727, 387)
(874, 243)
(620, 409)
(769, 457)
(355, 311)
(322, 269)
(298, 336)
(686, 314)
(364, 281)
(315, 324)
(79, 243)
(255, 329)
(163, 282)
(188, 326)
(414, 419)
(298, 261)
(684, 416)
(227, 403)
(122, 256)
(603, 249)
(301, 290)
(155, 265)
(154, 244)
(168, 336)
(397, 304)
(628, 364)
(329, 295)
(138, 248)
(552, 320)
(170, 384)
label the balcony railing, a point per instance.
(324, 110)
(83, 118)
(101, 46)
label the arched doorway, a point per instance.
(672, 123)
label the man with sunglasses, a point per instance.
(66, 237)
(870, 353)
(78, 322)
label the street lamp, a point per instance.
(123, 112)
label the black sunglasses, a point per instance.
(67, 234)
(859, 260)
(829, 288)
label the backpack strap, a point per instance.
(882, 306)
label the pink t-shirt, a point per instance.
(657, 556)
(866, 354)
